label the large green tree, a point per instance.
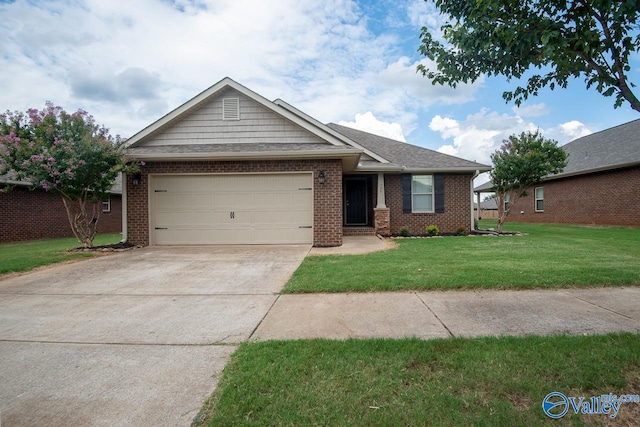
(68, 154)
(556, 40)
(522, 161)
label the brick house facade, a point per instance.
(38, 214)
(205, 168)
(601, 198)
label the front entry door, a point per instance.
(355, 201)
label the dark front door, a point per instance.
(355, 201)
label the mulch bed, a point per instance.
(114, 247)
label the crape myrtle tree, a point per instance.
(68, 154)
(552, 41)
(522, 161)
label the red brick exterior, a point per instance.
(327, 197)
(457, 206)
(603, 198)
(38, 214)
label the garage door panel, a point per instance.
(232, 209)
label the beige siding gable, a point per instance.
(257, 124)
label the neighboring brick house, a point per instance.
(599, 186)
(231, 167)
(37, 214)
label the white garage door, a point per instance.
(231, 209)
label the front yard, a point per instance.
(462, 382)
(546, 256)
(24, 256)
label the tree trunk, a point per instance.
(83, 222)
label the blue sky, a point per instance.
(352, 62)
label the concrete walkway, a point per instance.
(452, 314)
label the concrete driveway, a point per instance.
(135, 338)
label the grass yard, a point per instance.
(481, 381)
(24, 256)
(546, 256)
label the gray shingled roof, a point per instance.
(406, 155)
(609, 149)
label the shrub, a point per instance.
(433, 230)
(404, 232)
(462, 231)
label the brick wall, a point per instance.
(38, 214)
(457, 206)
(327, 230)
(604, 198)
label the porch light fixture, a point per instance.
(321, 177)
(136, 178)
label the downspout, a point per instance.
(475, 175)
(124, 207)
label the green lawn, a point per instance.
(546, 256)
(482, 381)
(24, 256)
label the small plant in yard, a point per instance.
(461, 231)
(404, 232)
(433, 230)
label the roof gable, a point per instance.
(199, 121)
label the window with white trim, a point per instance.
(422, 193)
(106, 204)
(506, 201)
(539, 199)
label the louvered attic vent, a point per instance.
(230, 109)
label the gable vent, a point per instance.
(230, 109)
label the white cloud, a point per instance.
(480, 134)
(367, 122)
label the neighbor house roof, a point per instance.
(406, 156)
(614, 148)
(10, 180)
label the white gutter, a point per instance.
(246, 155)
(475, 175)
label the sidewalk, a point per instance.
(441, 314)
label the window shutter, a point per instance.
(406, 193)
(438, 184)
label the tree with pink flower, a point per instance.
(68, 154)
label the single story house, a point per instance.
(32, 214)
(231, 167)
(599, 186)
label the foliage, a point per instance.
(68, 154)
(433, 230)
(521, 161)
(462, 231)
(590, 38)
(404, 232)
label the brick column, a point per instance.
(382, 219)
